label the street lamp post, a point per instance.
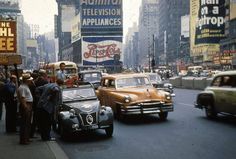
(96, 58)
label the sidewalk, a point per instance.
(37, 149)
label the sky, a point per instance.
(42, 12)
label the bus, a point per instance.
(71, 71)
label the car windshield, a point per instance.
(89, 77)
(133, 82)
(154, 77)
(77, 94)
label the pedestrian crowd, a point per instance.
(30, 103)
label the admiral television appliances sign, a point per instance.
(101, 17)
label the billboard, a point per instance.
(185, 26)
(207, 26)
(8, 37)
(101, 17)
(106, 51)
(75, 29)
(232, 9)
(67, 11)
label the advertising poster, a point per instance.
(75, 29)
(101, 17)
(207, 23)
(67, 11)
(8, 37)
(104, 51)
(232, 9)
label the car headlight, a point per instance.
(168, 85)
(72, 112)
(127, 99)
(168, 97)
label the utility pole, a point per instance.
(153, 52)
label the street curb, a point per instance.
(56, 150)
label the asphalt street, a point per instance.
(187, 134)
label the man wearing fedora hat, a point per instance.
(26, 101)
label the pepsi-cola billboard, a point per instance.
(104, 51)
(101, 17)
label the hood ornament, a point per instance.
(148, 93)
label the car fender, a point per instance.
(106, 116)
(205, 97)
(66, 120)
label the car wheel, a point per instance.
(163, 115)
(210, 111)
(118, 114)
(109, 130)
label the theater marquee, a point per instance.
(8, 37)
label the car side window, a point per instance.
(234, 81)
(216, 82)
(227, 81)
(112, 83)
(105, 83)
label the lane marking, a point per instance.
(185, 104)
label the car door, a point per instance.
(215, 88)
(231, 95)
(225, 94)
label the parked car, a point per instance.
(220, 96)
(92, 76)
(129, 94)
(81, 111)
(160, 84)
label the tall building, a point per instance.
(90, 32)
(170, 12)
(131, 47)
(148, 28)
(67, 9)
(227, 57)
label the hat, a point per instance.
(13, 76)
(26, 76)
(42, 72)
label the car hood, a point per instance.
(85, 106)
(141, 93)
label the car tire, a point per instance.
(210, 111)
(163, 116)
(109, 130)
(118, 114)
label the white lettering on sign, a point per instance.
(101, 12)
(101, 2)
(101, 51)
(102, 22)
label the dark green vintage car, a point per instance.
(81, 111)
(220, 96)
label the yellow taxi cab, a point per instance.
(129, 94)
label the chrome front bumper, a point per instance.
(147, 108)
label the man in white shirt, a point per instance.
(26, 101)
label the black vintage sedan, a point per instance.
(81, 111)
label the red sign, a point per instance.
(8, 37)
